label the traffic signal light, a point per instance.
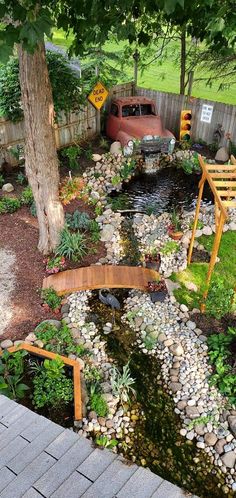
(185, 125)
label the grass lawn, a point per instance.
(164, 77)
(196, 272)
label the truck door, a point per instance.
(113, 122)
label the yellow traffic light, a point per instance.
(185, 125)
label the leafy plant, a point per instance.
(91, 374)
(103, 143)
(149, 342)
(58, 340)
(27, 196)
(2, 181)
(104, 442)
(191, 165)
(116, 180)
(51, 298)
(88, 153)
(127, 169)
(51, 385)
(21, 178)
(99, 404)
(70, 189)
(54, 265)
(170, 247)
(78, 220)
(9, 205)
(71, 245)
(150, 209)
(98, 210)
(95, 231)
(118, 203)
(72, 153)
(200, 225)
(158, 286)
(219, 352)
(175, 221)
(219, 299)
(122, 383)
(11, 374)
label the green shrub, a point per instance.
(27, 197)
(191, 165)
(72, 153)
(12, 369)
(66, 87)
(9, 205)
(51, 386)
(99, 404)
(91, 374)
(95, 231)
(219, 299)
(127, 169)
(58, 340)
(21, 178)
(219, 351)
(51, 298)
(170, 247)
(71, 245)
(78, 220)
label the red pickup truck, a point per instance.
(134, 121)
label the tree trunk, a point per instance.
(183, 61)
(41, 160)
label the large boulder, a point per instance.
(222, 155)
(107, 232)
(116, 148)
(7, 187)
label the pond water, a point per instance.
(156, 441)
(162, 191)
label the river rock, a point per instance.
(7, 343)
(210, 438)
(219, 447)
(96, 157)
(192, 411)
(229, 459)
(175, 386)
(107, 232)
(191, 325)
(7, 187)
(183, 308)
(207, 230)
(191, 286)
(177, 350)
(232, 424)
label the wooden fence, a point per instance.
(169, 106)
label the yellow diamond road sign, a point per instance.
(98, 95)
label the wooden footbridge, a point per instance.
(100, 277)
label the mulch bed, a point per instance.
(210, 325)
(19, 233)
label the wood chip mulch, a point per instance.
(19, 233)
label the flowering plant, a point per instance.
(54, 265)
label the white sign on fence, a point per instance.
(206, 113)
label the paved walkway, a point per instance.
(41, 459)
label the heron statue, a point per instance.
(109, 300)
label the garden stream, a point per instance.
(156, 441)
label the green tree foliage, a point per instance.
(66, 87)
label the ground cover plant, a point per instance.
(221, 350)
(58, 340)
(12, 369)
(51, 298)
(51, 385)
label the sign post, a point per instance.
(97, 98)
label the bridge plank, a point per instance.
(100, 277)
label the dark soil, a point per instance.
(210, 325)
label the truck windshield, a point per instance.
(137, 110)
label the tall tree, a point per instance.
(25, 23)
